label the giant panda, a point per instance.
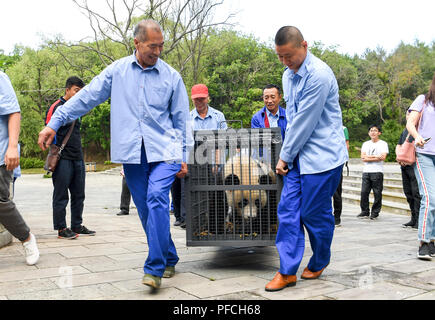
(250, 205)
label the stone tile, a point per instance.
(424, 296)
(39, 273)
(149, 294)
(115, 265)
(178, 281)
(129, 256)
(410, 266)
(82, 251)
(427, 277)
(377, 291)
(224, 286)
(304, 289)
(26, 286)
(238, 296)
(80, 293)
(98, 278)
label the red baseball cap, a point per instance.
(199, 91)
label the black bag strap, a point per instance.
(68, 135)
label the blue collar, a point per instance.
(156, 67)
(303, 69)
(281, 111)
(196, 114)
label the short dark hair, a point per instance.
(74, 81)
(289, 34)
(270, 86)
(376, 126)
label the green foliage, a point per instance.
(29, 163)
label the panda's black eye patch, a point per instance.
(265, 179)
(243, 203)
(232, 179)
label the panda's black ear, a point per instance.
(232, 179)
(265, 179)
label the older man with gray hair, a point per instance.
(149, 114)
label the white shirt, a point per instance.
(374, 149)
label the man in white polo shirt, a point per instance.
(373, 154)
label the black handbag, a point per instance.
(55, 151)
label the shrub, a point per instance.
(29, 163)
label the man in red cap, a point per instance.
(203, 117)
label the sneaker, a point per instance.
(31, 250)
(152, 281)
(122, 213)
(424, 252)
(66, 233)
(177, 223)
(409, 224)
(338, 223)
(374, 216)
(84, 231)
(363, 216)
(169, 272)
(415, 226)
(432, 249)
(183, 225)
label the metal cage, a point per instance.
(232, 191)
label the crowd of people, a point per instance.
(150, 138)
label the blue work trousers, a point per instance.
(306, 202)
(149, 184)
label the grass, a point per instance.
(100, 167)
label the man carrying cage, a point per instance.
(311, 159)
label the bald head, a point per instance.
(141, 30)
(289, 34)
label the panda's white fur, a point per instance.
(244, 170)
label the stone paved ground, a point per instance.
(370, 259)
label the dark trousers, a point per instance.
(68, 176)
(125, 197)
(178, 199)
(338, 201)
(410, 188)
(10, 218)
(372, 181)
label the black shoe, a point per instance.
(432, 249)
(177, 223)
(363, 216)
(424, 252)
(410, 224)
(66, 233)
(183, 225)
(122, 213)
(337, 222)
(374, 216)
(84, 231)
(415, 226)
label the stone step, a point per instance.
(387, 206)
(387, 187)
(358, 178)
(393, 197)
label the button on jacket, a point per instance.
(148, 104)
(315, 128)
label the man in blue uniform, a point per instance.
(149, 114)
(272, 115)
(311, 159)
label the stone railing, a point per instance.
(5, 237)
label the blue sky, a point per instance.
(351, 25)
